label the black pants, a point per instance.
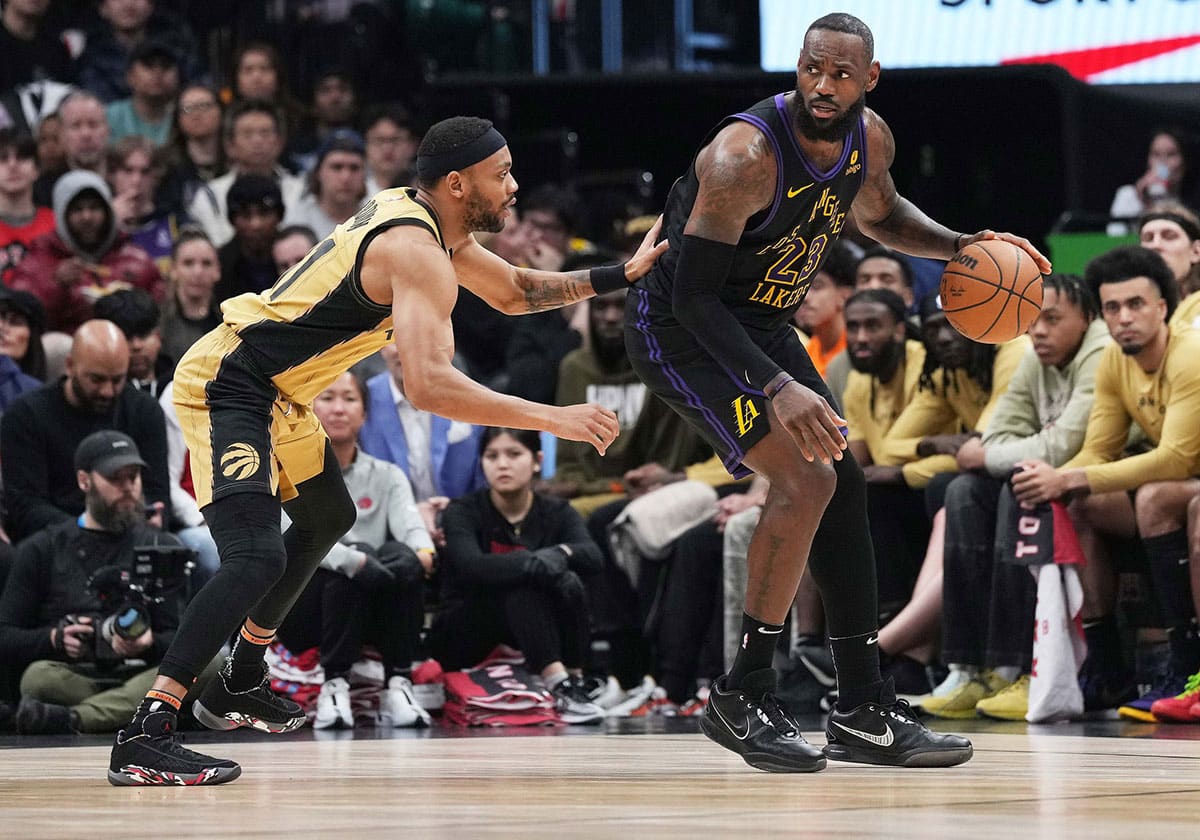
(340, 616)
(899, 533)
(262, 570)
(537, 622)
(987, 606)
(688, 620)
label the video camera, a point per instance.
(126, 594)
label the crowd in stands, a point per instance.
(135, 198)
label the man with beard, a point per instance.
(52, 619)
(988, 607)
(244, 393)
(707, 330)
(42, 428)
(1148, 376)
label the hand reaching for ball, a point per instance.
(1021, 242)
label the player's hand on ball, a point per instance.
(589, 423)
(811, 422)
(1021, 242)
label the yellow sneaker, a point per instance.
(960, 703)
(1011, 703)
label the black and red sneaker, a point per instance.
(154, 756)
(256, 707)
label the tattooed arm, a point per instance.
(890, 218)
(519, 291)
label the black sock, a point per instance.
(1172, 576)
(856, 659)
(155, 702)
(246, 665)
(1104, 644)
(756, 651)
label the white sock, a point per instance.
(554, 679)
(1008, 673)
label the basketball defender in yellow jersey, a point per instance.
(243, 394)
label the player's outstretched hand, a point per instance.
(812, 423)
(1021, 242)
(587, 422)
(648, 252)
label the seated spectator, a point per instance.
(137, 315)
(85, 133)
(31, 52)
(86, 257)
(51, 155)
(193, 153)
(883, 268)
(134, 171)
(368, 589)
(255, 211)
(1170, 176)
(291, 245)
(254, 132)
(20, 220)
(123, 26)
(41, 429)
(1173, 232)
(988, 606)
(821, 317)
(258, 73)
(22, 320)
(439, 457)
(510, 574)
(334, 107)
(191, 309)
(153, 80)
(391, 140)
(336, 185)
(1148, 376)
(55, 615)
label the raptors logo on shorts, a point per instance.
(239, 460)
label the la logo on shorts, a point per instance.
(239, 460)
(744, 411)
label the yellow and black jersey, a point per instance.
(316, 321)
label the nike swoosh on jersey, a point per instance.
(794, 191)
(884, 740)
(728, 726)
(767, 632)
(872, 640)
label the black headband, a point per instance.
(432, 167)
(1189, 227)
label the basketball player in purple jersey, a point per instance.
(708, 330)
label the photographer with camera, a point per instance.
(91, 605)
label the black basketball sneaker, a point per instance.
(888, 732)
(154, 756)
(751, 722)
(259, 708)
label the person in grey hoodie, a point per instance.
(85, 257)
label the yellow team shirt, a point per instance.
(1187, 314)
(872, 407)
(1165, 403)
(316, 321)
(958, 405)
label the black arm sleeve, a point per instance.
(463, 557)
(700, 273)
(22, 641)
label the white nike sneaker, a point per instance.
(398, 705)
(333, 706)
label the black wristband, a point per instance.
(607, 278)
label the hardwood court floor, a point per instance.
(1023, 783)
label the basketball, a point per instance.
(991, 291)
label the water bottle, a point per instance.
(1156, 190)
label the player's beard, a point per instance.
(836, 129)
(886, 359)
(479, 215)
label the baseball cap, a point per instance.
(147, 50)
(341, 140)
(106, 452)
(254, 191)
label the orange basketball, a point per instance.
(991, 291)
